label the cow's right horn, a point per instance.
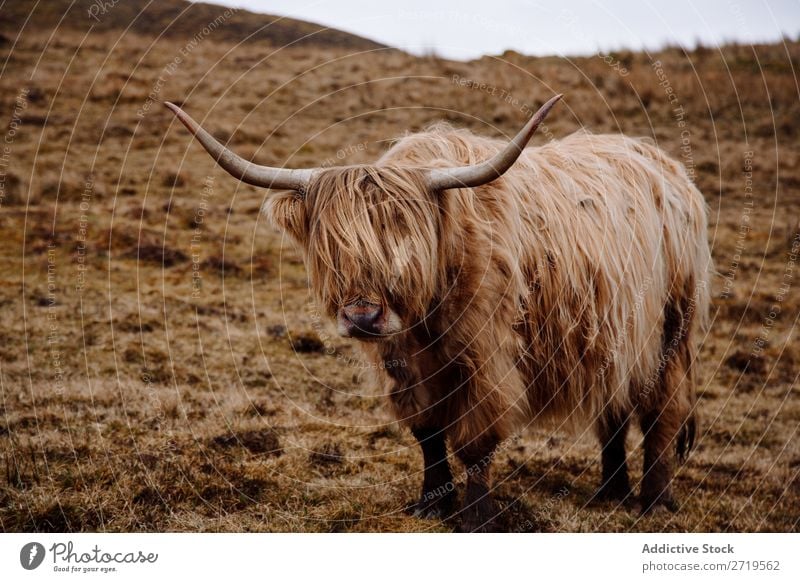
(238, 167)
(485, 172)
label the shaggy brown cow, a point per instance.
(570, 286)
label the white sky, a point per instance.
(464, 29)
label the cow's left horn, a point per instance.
(266, 176)
(471, 176)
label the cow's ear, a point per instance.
(287, 211)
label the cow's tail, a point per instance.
(686, 437)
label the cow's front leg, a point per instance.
(438, 489)
(615, 486)
(478, 511)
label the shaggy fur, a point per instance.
(575, 287)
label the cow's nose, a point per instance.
(363, 314)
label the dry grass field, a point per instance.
(162, 364)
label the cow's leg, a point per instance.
(438, 488)
(660, 430)
(663, 416)
(478, 510)
(612, 431)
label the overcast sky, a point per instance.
(464, 29)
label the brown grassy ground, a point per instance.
(162, 368)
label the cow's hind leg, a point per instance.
(478, 510)
(660, 428)
(612, 431)
(438, 488)
(665, 417)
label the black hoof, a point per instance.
(478, 518)
(658, 504)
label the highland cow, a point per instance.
(565, 283)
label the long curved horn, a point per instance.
(238, 167)
(485, 172)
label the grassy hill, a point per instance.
(176, 19)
